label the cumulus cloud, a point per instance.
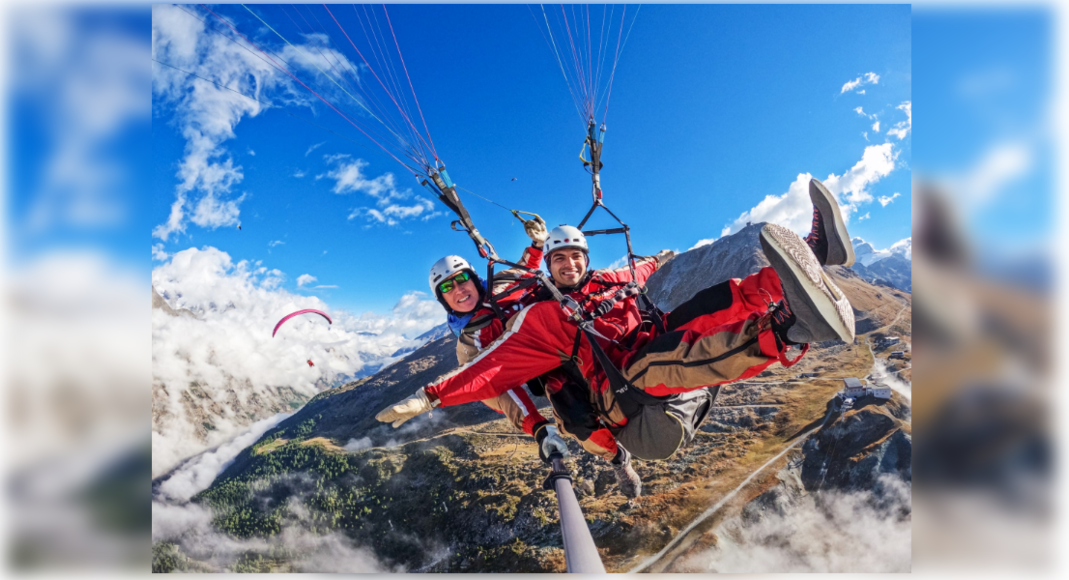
(222, 369)
(868, 78)
(392, 205)
(886, 199)
(794, 209)
(158, 254)
(876, 127)
(305, 279)
(206, 114)
(860, 111)
(864, 217)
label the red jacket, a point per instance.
(541, 337)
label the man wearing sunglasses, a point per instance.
(727, 332)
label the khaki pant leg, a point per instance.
(685, 360)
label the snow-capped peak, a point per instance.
(866, 254)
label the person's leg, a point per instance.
(684, 360)
(726, 302)
(707, 350)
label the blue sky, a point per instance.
(713, 108)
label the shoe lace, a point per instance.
(782, 313)
(814, 231)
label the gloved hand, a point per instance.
(552, 443)
(664, 256)
(415, 405)
(536, 230)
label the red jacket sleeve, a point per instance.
(531, 347)
(532, 257)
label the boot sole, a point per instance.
(836, 234)
(784, 246)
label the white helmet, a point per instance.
(565, 237)
(445, 268)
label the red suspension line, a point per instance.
(371, 69)
(414, 97)
(303, 85)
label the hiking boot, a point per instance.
(828, 238)
(821, 310)
(626, 478)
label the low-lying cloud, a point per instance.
(823, 532)
(220, 370)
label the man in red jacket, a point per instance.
(725, 333)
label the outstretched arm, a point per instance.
(529, 347)
(533, 344)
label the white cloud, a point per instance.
(865, 79)
(876, 127)
(885, 199)
(860, 111)
(241, 374)
(207, 115)
(198, 473)
(794, 209)
(252, 153)
(867, 254)
(313, 148)
(299, 174)
(903, 248)
(864, 217)
(902, 128)
(304, 279)
(274, 243)
(350, 177)
(325, 286)
(827, 532)
(358, 444)
(158, 254)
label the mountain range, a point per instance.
(891, 267)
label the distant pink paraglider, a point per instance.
(299, 312)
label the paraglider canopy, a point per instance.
(298, 313)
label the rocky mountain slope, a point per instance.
(457, 490)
